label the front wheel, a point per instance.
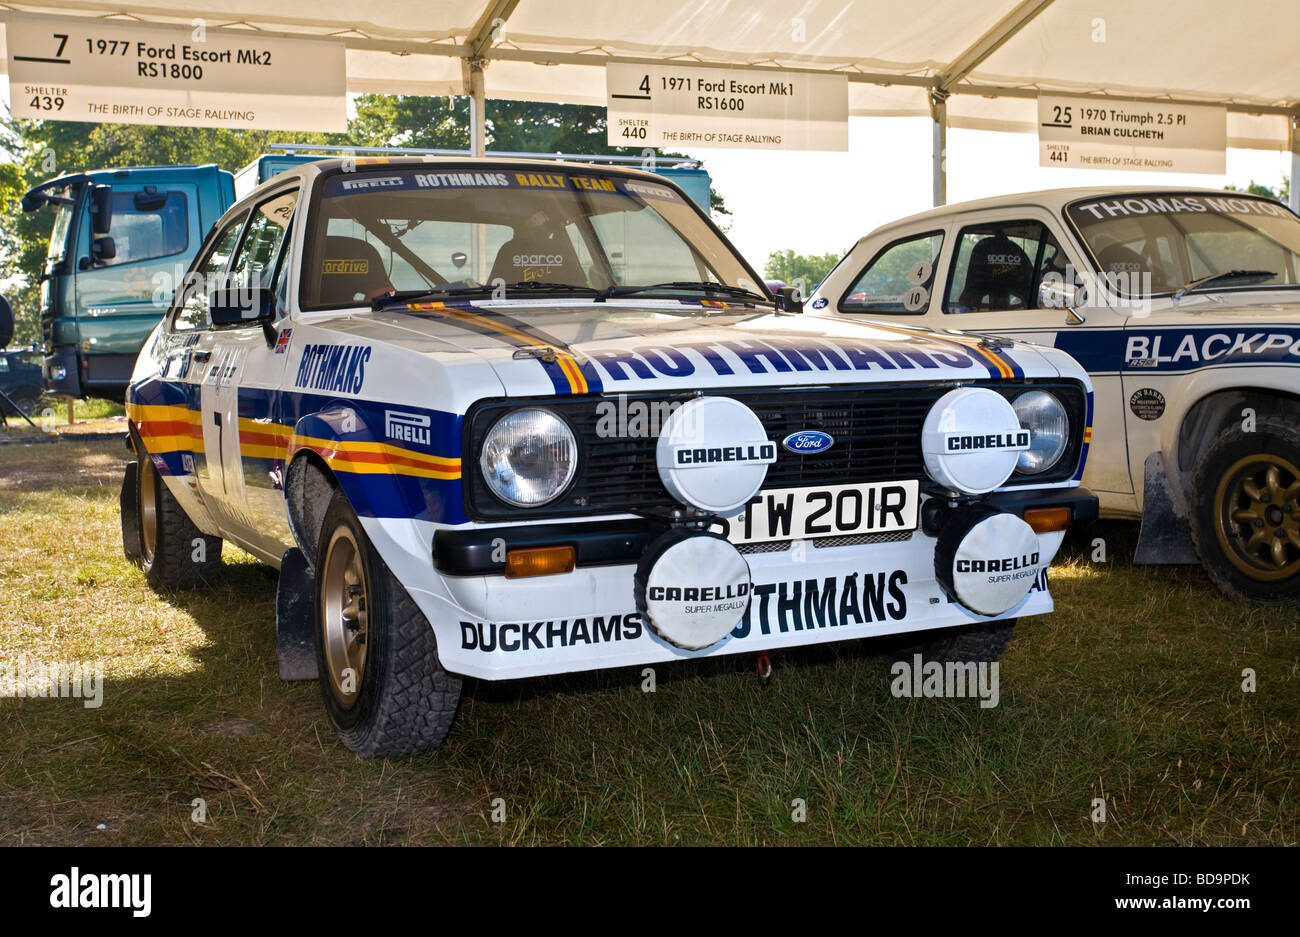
(383, 685)
(1245, 505)
(171, 550)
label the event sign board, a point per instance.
(690, 105)
(1087, 133)
(116, 71)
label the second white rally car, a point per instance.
(1184, 306)
(507, 418)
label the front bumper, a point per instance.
(804, 593)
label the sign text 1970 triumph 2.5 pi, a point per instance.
(503, 418)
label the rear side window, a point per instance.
(999, 266)
(899, 279)
(148, 225)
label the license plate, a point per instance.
(829, 511)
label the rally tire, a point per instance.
(174, 553)
(401, 700)
(129, 504)
(981, 643)
(1248, 483)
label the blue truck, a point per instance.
(122, 239)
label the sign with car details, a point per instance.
(181, 76)
(1084, 133)
(747, 109)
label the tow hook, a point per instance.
(763, 665)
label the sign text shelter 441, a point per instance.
(691, 105)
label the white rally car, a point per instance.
(1184, 306)
(507, 418)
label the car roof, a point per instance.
(1052, 199)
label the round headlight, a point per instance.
(529, 457)
(1049, 430)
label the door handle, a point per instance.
(202, 355)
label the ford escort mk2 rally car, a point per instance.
(503, 419)
(1184, 306)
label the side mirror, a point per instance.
(6, 322)
(101, 209)
(240, 305)
(150, 199)
(1055, 293)
(102, 249)
(789, 300)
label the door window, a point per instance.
(193, 310)
(267, 225)
(148, 225)
(999, 266)
(898, 279)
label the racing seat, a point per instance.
(1122, 262)
(351, 271)
(998, 276)
(535, 256)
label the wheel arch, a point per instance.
(1213, 411)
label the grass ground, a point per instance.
(1131, 691)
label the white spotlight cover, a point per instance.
(971, 440)
(713, 454)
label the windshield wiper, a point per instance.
(474, 289)
(1223, 278)
(409, 296)
(698, 286)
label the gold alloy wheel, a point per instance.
(1257, 516)
(148, 509)
(344, 608)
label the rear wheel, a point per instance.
(383, 685)
(173, 552)
(1245, 504)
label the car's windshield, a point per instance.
(399, 229)
(1160, 243)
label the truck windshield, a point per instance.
(534, 231)
(59, 247)
(1149, 244)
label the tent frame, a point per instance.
(479, 50)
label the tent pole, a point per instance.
(1295, 162)
(477, 108)
(939, 146)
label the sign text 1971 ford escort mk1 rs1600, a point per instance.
(1184, 306)
(502, 419)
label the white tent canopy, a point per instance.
(968, 63)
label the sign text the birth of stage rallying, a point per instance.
(684, 105)
(184, 76)
(1087, 133)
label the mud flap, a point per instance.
(1166, 538)
(128, 501)
(295, 618)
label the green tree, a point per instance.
(788, 266)
(1281, 194)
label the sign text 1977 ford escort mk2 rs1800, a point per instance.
(504, 418)
(1184, 306)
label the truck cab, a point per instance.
(120, 242)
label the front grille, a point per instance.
(876, 428)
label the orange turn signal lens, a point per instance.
(539, 561)
(1049, 520)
